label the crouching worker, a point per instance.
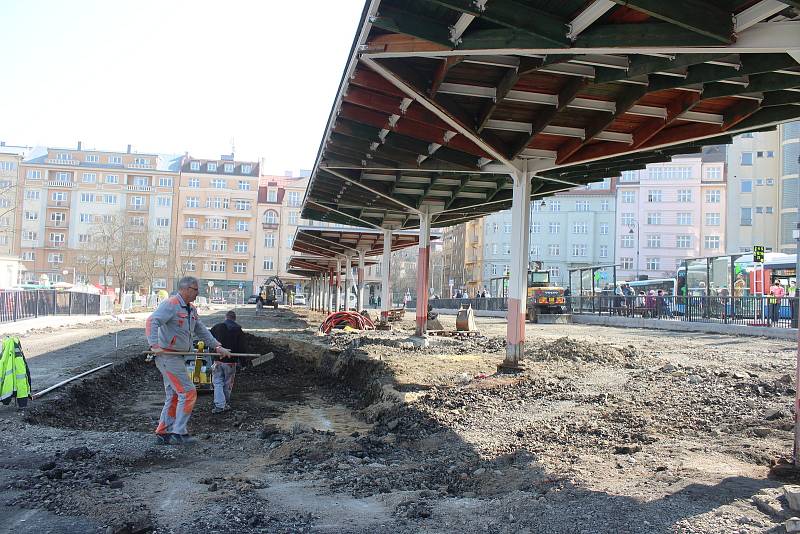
(229, 333)
(169, 330)
(15, 376)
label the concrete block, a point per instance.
(792, 525)
(792, 494)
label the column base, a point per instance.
(511, 366)
(419, 341)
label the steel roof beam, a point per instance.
(347, 215)
(756, 13)
(367, 188)
(585, 18)
(698, 16)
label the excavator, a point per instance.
(543, 297)
(269, 291)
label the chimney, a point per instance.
(79, 145)
(129, 149)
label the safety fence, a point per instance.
(16, 304)
(484, 304)
(751, 310)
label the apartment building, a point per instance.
(753, 182)
(669, 212)
(789, 185)
(10, 159)
(570, 230)
(216, 223)
(79, 209)
(459, 261)
(278, 214)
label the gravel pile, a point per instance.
(569, 349)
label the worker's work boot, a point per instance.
(217, 409)
(183, 439)
(163, 439)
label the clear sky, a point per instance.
(175, 75)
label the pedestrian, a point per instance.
(170, 329)
(223, 371)
(776, 293)
(791, 292)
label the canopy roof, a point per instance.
(332, 242)
(442, 100)
(305, 265)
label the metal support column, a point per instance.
(423, 270)
(386, 295)
(360, 279)
(348, 280)
(518, 281)
(329, 292)
(337, 301)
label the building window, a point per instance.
(141, 162)
(683, 241)
(712, 219)
(110, 199)
(189, 266)
(192, 202)
(604, 251)
(746, 217)
(85, 217)
(32, 194)
(654, 218)
(228, 167)
(242, 226)
(535, 251)
(137, 202)
(555, 205)
(32, 174)
(759, 209)
(217, 223)
(604, 205)
(141, 181)
(218, 245)
(628, 197)
(31, 216)
(494, 268)
(162, 222)
(713, 196)
(163, 202)
(654, 241)
(553, 250)
(240, 246)
(626, 241)
(536, 227)
(770, 181)
(55, 257)
(626, 263)
(495, 228)
(190, 244)
(195, 165)
(191, 222)
(747, 158)
(269, 241)
(64, 177)
(112, 179)
(272, 195)
(293, 217)
(495, 248)
(507, 248)
(56, 238)
(59, 196)
(244, 185)
(713, 173)
(28, 256)
(217, 266)
(164, 181)
(554, 227)
(137, 221)
(270, 217)
(89, 178)
(194, 183)
(239, 267)
(507, 228)
(579, 250)
(653, 264)
(603, 228)
(218, 183)
(684, 218)
(628, 219)
(768, 210)
(581, 205)
(92, 158)
(247, 168)
(293, 198)
(580, 228)
(269, 265)
(114, 160)
(684, 195)
(747, 186)
(654, 195)
(30, 235)
(243, 205)
(84, 238)
(712, 242)
(212, 167)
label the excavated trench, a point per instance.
(304, 386)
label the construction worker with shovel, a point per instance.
(170, 329)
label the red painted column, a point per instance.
(518, 280)
(423, 270)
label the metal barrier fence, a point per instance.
(753, 310)
(489, 304)
(16, 304)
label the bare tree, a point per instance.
(98, 253)
(187, 256)
(152, 259)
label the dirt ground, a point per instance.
(607, 430)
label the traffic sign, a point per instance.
(241, 285)
(210, 283)
(758, 253)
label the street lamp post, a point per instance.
(632, 226)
